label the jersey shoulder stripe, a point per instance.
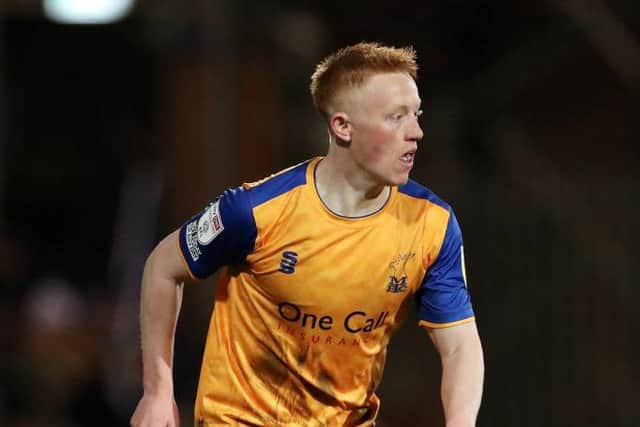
(419, 191)
(277, 184)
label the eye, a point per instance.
(418, 113)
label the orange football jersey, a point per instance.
(309, 299)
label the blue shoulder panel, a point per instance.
(278, 184)
(413, 189)
(443, 296)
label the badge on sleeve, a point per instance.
(210, 224)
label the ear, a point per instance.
(340, 126)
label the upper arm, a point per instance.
(450, 340)
(167, 261)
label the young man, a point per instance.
(321, 261)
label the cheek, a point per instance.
(376, 145)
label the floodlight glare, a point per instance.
(87, 11)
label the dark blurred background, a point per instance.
(112, 135)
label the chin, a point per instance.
(401, 178)
(402, 181)
(397, 180)
(391, 177)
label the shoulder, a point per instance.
(277, 184)
(419, 192)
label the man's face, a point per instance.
(385, 130)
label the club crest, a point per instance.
(398, 273)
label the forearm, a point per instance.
(462, 379)
(161, 297)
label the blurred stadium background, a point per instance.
(111, 135)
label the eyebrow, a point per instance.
(407, 108)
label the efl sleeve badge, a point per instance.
(210, 224)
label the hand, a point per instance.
(156, 411)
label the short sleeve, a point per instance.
(443, 298)
(223, 233)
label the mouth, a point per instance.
(408, 157)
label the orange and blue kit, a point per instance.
(308, 299)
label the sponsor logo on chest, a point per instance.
(354, 322)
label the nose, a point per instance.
(414, 133)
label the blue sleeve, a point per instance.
(443, 295)
(223, 233)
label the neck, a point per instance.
(348, 190)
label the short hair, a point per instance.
(349, 67)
